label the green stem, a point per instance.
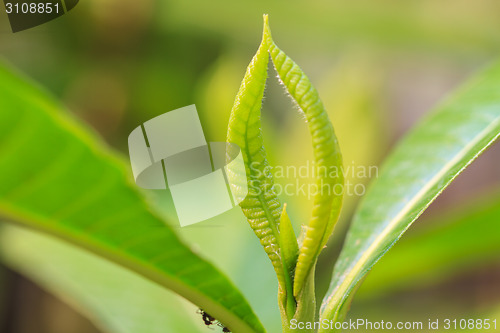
(306, 308)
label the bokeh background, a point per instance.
(378, 65)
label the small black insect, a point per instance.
(207, 319)
(224, 328)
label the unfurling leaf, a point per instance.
(327, 157)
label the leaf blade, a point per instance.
(88, 200)
(289, 245)
(425, 162)
(104, 296)
(449, 244)
(289, 253)
(327, 157)
(261, 206)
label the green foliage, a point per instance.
(416, 172)
(114, 298)
(56, 177)
(262, 207)
(327, 158)
(289, 251)
(59, 179)
(289, 246)
(450, 244)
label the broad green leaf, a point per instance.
(261, 206)
(327, 158)
(115, 299)
(452, 243)
(418, 170)
(57, 177)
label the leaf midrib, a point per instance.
(124, 258)
(260, 197)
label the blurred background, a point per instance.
(379, 67)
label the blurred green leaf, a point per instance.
(450, 244)
(115, 299)
(58, 178)
(423, 164)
